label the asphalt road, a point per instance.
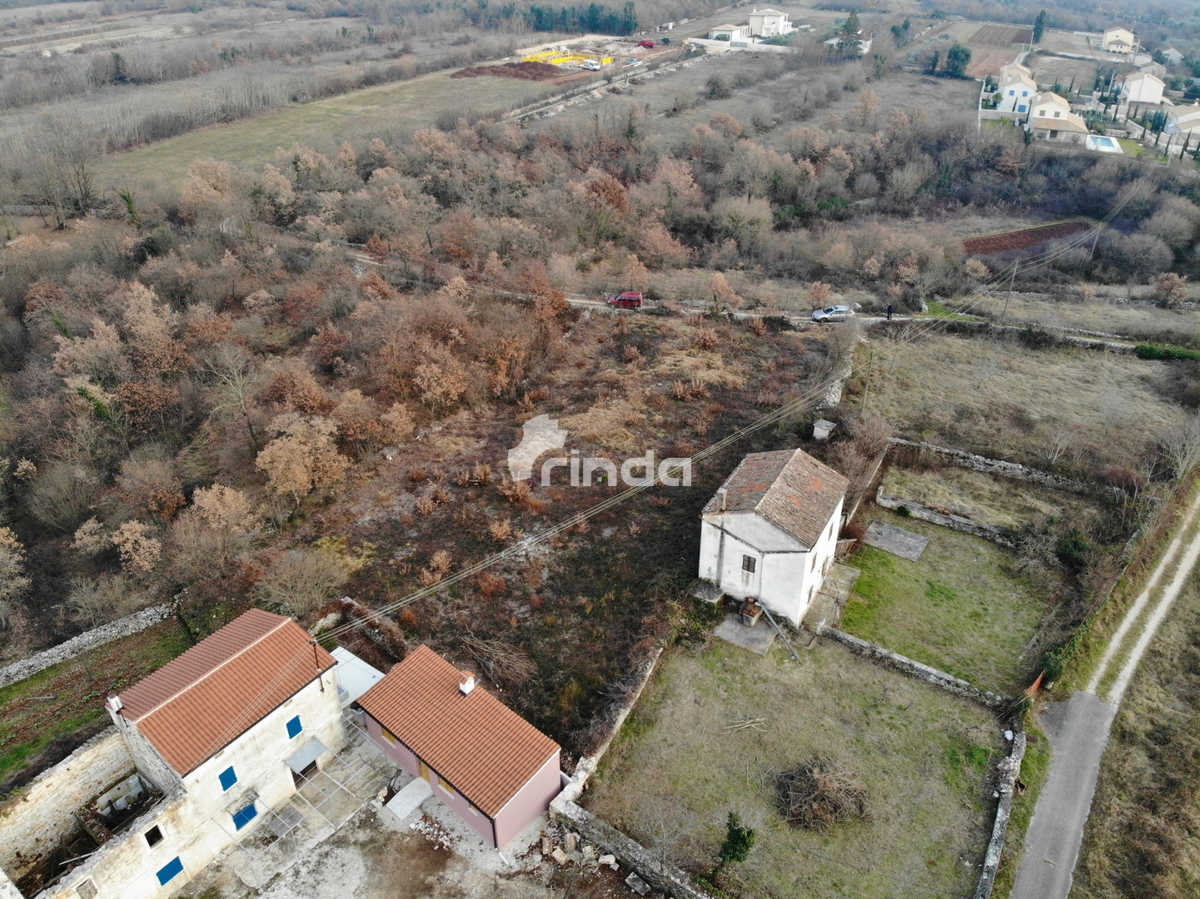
(1078, 731)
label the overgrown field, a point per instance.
(1004, 503)
(1002, 399)
(1150, 775)
(49, 714)
(963, 607)
(678, 769)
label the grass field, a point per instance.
(962, 607)
(674, 773)
(68, 699)
(996, 501)
(393, 110)
(1001, 399)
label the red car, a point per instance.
(649, 45)
(630, 299)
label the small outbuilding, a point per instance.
(492, 767)
(771, 530)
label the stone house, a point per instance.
(493, 768)
(206, 747)
(770, 532)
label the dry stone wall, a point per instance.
(123, 627)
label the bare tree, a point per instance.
(1180, 446)
(63, 154)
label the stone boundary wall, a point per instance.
(916, 669)
(1005, 469)
(954, 522)
(633, 855)
(106, 633)
(1009, 769)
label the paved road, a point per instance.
(1078, 730)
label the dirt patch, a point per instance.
(1000, 36)
(988, 60)
(1023, 239)
(522, 71)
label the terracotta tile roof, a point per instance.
(201, 702)
(789, 488)
(483, 748)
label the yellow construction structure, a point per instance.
(567, 58)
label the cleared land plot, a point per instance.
(1023, 239)
(988, 61)
(1000, 36)
(1051, 70)
(66, 702)
(674, 773)
(394, 109)
(1001, 399)
(985, 499)
(962, 608)
(1134, 319)
(1068, 42)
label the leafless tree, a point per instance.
(63, 154)
(1180, 446)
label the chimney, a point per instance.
(721, 499)
(114, 703)
(467, 686)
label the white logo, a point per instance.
(538, 435)
(542, 434)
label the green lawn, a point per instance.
(68, 699)
(391, 110)
(962, 608)
(676, 771)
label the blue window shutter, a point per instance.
(168, 871)
(245, 816)
(228, 778)
(294, 727)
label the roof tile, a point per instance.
(483, 748)
(199, 703)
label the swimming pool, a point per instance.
(1104, 144)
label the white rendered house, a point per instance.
(769, 23)
(771, 530)
(1017, 88)
(1141, 87)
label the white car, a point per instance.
(833, 314)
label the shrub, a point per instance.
(1153, 352)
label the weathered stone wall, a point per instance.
(34, 821)
(123, 627)
(956, 522)
(1002, 468)
(1006, 779)
(916, 669)
(630, 853)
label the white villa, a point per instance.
(769, 23)
(771, 530)
(1051, 119)
(1119, 40)
(1141, 87)
(1016, 88)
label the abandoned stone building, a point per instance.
(202, 751)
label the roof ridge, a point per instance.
(281, 623)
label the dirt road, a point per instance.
(1079, 728)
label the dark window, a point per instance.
(168, 871)
(153, 836)
(294, 727)
(228, 778)
(748, 563)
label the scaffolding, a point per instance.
(325, 799)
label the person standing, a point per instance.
(891, 308)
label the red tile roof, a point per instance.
(483, 748)
(196, 705)
(789, 488)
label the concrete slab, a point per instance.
(409, 799)
(896, 541)
(707, 593)
(756, 639)
(830, 600)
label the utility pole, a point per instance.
(867, 391)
